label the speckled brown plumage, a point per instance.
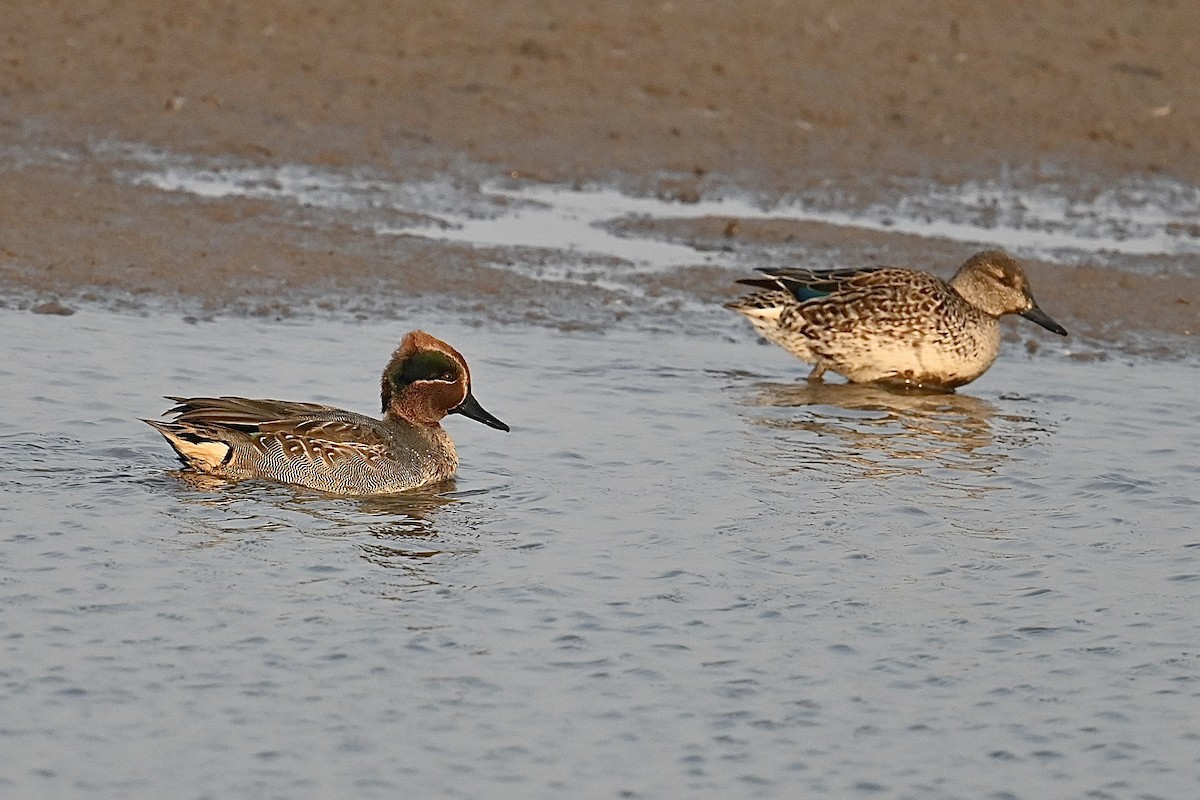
(893, 325)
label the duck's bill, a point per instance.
(1035, 314)
(471, 409)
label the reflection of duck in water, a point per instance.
(888, 432)
(400, 532)
(892, 325)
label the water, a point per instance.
(681, 575)
(1060, 220)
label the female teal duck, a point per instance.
(893, 325)
(330, 449)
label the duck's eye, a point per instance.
(448, 377)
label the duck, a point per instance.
(329, 449)
(893, 325)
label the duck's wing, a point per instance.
(888, 301)
(303, 430)
(810, 284)
(243, 413)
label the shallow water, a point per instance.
(1057, 220)
(683, 574)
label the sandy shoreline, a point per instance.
(682, 100)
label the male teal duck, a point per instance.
(326, 448)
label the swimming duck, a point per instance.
(326, 448)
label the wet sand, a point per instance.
(679, 100)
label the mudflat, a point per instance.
(682, 100)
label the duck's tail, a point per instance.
(195, 448)
(765, 305)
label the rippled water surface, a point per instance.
(683, 574)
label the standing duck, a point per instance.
(893, 325)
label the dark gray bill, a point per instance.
(471, 409)
(1035, 314)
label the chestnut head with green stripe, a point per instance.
(428, 379)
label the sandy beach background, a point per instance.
(679, 100)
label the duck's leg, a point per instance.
(817, 371)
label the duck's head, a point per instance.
(994, 282)
(428, 379)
